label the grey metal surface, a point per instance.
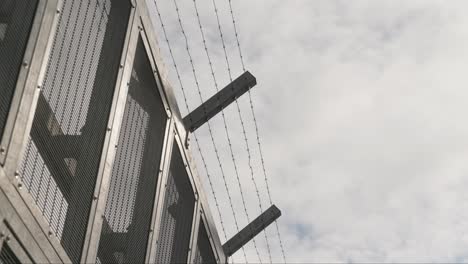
(133, 183)
(16, 18)
(61, 161)
(251, 230)
(219, 101)
(176, 224)
(7, 256)
(44, 175)
(27, 223)
(203, 251)
(93, 233)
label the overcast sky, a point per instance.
(362, 109)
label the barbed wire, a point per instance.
(242, 125)
(209, 126)
(223, 115)
(256, 127)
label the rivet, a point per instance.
(2, 235)
(95, 197)
(17, 174)
(7, 238)
(151, 230)
(20, 185)
(38, 86)
(121, 65)
(108, 129)
(50, 233)
(58, 11)
(2, 149)
(25, 64)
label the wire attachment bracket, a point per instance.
(219, 101)
(251, 230)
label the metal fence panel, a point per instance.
(16, 18)
(176, 223)
(62, 157)
(204, 253)
(129, 205)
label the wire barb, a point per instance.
(228, 66)
(195, 136)
(256, 127)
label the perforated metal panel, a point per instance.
(134, 175)
(204, 253)
(16, 18)
(61, 160)
(176, 223)
(7, 256)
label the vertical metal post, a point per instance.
(194, 232)
(93, 232)
(160, 195)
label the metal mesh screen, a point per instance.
(7, 256)
(61, 159)
(204, 253)
(176, 223)
(134, 175)
(16, 18)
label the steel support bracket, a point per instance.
(251, 230)
(219, 101)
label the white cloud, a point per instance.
(362, 110)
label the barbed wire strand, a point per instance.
(241, 119)
(196, 138)
(223, 116)
(256, 128)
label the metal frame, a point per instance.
(28, 223)
(93, 232)
(180, 137)
(194, 233)
(27, 88)
(17, 205)
(160, 194)
(196, 209)
(201, 203)
(10, 238)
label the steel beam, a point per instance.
(251, 230)
(219, 101)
